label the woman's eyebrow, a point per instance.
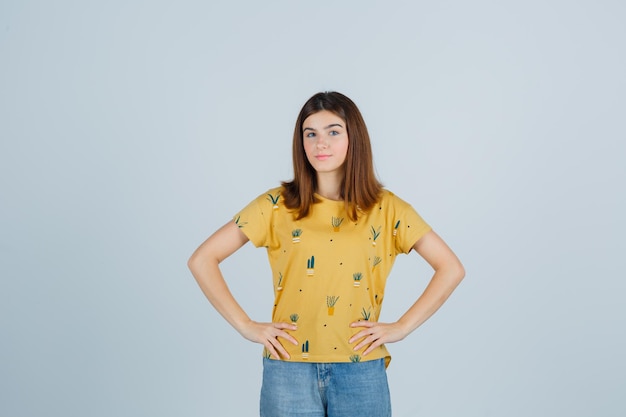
(325, 128)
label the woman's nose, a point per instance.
(322, 142)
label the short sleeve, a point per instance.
(254, 220)
(409, 227)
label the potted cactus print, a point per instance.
(310, 266)
(377, 260)
(295, 235)
(355, 358)
(274, 200)
(366, 314)
(294, 318)
(279, 287)
(357, 278)
(378, 300)
(375, 233)
(336, 222)
(305, 350)
(395, 228)
(239, 223)
(331, 300)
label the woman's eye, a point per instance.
(333, 133)
(310, 135)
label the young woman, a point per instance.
(332, 235)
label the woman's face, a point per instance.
(325, 140)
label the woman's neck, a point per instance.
(329, 186)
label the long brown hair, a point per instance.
(360, 188)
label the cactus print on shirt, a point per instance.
(329, 271)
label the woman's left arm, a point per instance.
(448, 274)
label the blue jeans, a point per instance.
(325, 389)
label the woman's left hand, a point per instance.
(375, 334)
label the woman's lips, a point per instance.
(322, 157)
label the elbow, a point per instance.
(194, 263)
(191, 262)
(454, 271)
(200, 262)
(459, 271)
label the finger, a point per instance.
(371, 343)
(372, 347)
(365, 342)
(279, 348)
(363, 333)
(282, 326)
(362, 323)
(370, 336)
(283, 334)
(271, 350)
(358, 336)
(366, 339)
(288, 337)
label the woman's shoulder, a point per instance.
(270, 193)
(271, 196)
(390, 200)
(275, 191)
(389, 196)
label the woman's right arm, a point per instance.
(204, 265)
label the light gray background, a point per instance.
(130, 131)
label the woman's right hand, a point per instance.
(267, 334)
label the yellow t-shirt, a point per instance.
(329, 271)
